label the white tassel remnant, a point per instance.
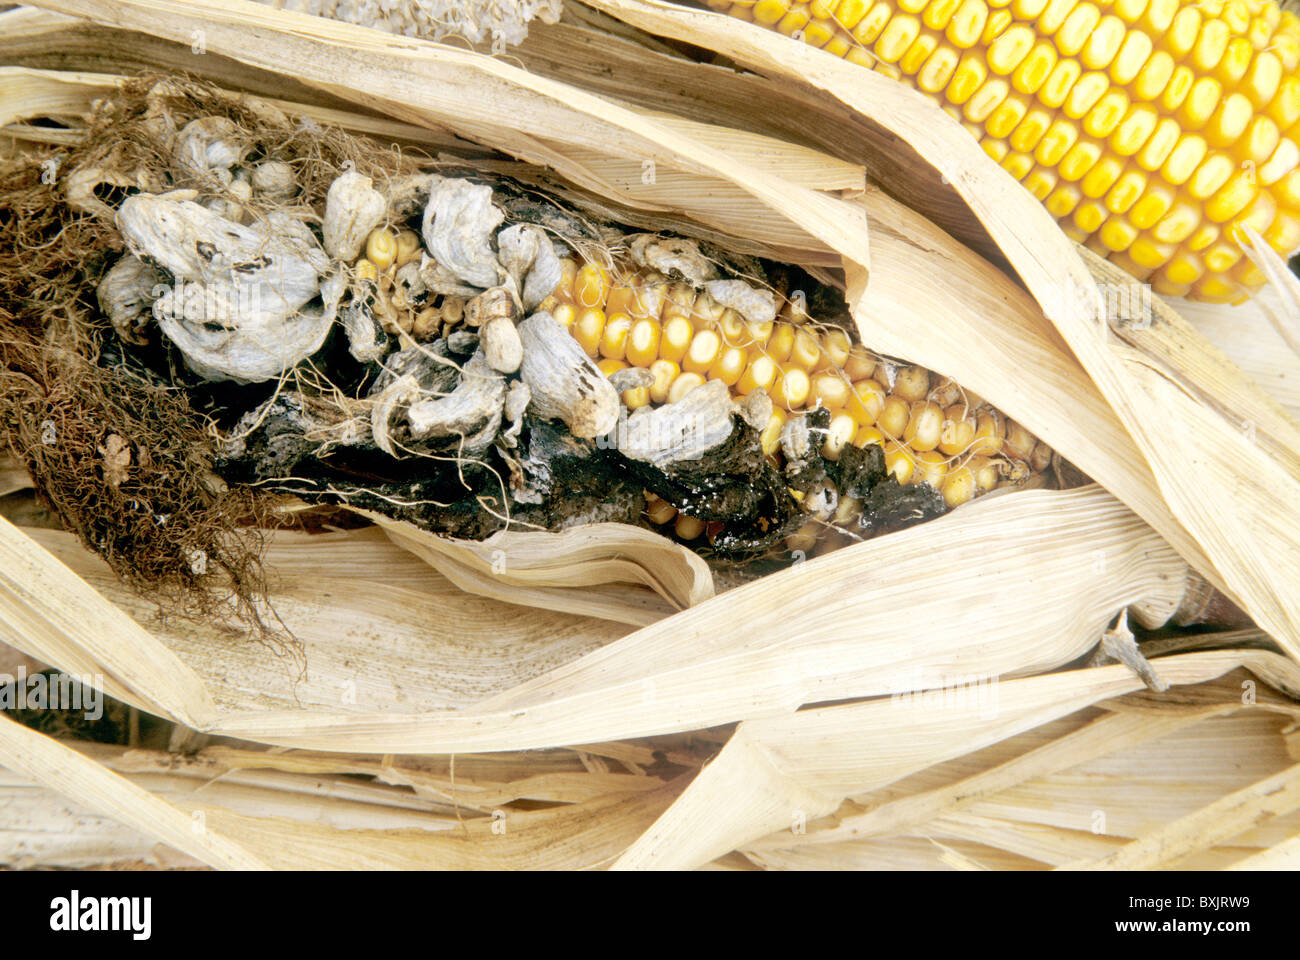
(478, 21)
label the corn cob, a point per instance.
(929, 429)
(1151, 129)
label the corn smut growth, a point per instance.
(1152, 130)
(929, 429)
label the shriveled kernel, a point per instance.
(1018, 442)
(688, 528)
(381, 248)
(660, 511)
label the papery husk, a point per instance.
(1237, 484)
(784, 772)
(503, 677)
(932, 802)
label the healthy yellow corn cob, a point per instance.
(1151, 129)
(929, 429)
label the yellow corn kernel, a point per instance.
(1159, 145)
(665, 372)
(591, 286)
(643, 343)
(829, 389)
(609, 365)
(958, 432)
(683, 385)
(729, 366)
(565, 313)
(958, 486)
(931, 467)
(1106, 114)
(938, 69)
(760, 374)
(409, 247)
(1133, 131)
(865, 401)
(1060, 81)
(1103, 43)
(897, 36)
(1154, 76)
(1155, 202)
(614, 336)
(989, 430)
(900, 461)
(914, 58)
(971, 72)
(1130, 58)
(588, 328)
(1078, 160)
(1011, 49)
(1097, 181)
(967, 24)
(839, 435)
(1040, 183)
(924, 427)
(791, 388)
(894, 416)
(868, 435)
(703, 351)
(770, 436)
(675, 339)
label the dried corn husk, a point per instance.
(587, 684)
(1024, 554)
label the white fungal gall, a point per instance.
(501, 345)
(126, 295)
(353, 208)
(565, 384)
(460, 221)
(236, 306)
(273, 181)
(755, 304)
